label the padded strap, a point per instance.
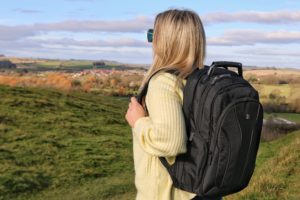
(145, 88)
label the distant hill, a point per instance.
(7, 64)
(88, 63)
(41, 64)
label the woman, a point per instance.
(178, 43)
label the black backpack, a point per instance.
(223, 118)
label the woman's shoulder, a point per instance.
(165, 80)
(163, 76)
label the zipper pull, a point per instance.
(191, 136)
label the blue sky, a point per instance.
(259, 33)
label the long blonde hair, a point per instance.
(178, 43)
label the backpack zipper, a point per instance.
(203, 100)
(206, 89)
(210, 153)
(203, 167)
(221, 119)
(220, 91)
(213, 82)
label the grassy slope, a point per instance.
(57, 145)
(55, 142)
(285, 89)
(277, 173)
(288, 91)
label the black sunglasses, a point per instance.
(150, 35)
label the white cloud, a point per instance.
(26, 11)
(138, 24)
(270, 52)
(141, 23)
(140, 55)
(274, 17)
(15, 32)
(252, 37)
(122, 42)
(33, 39)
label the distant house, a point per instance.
(98, 64)
(6, 64)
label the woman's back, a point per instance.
(178, 44)
(162, 133)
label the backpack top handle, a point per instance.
(225, 64)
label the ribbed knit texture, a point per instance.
(162, 133)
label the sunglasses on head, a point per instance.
(150, 35)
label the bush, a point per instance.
(252, 79)
(296, 105)
(76, 83)
(283, 82)
(271, 107)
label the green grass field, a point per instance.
(277, 173)
(67, 65)
(59, 65)
(52, 143)
(77, 146)
(284, 89)
(288, 91)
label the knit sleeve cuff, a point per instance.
(140, 124)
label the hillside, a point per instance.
(277, 172)
(58, 145)
(56, 142)
(70, 65)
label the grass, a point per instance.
(53, 142)
(66, 65)
(59, 65)
(265, 90)
(284, 89)
(277, 173)
(77, 146)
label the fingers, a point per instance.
(134, 100)
(130, 106)
(134, 103)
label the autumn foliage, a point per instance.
(55, 80)
(116, 83)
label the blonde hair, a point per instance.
(178, 43)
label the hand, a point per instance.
(134, 112)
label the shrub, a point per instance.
(76, 83)
(296, 105)
(271, 107)
(282, 82)
(252, 79)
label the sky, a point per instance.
(255, 32)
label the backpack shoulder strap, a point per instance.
(145, 88)
(189, 93)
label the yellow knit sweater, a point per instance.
(162, 133)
